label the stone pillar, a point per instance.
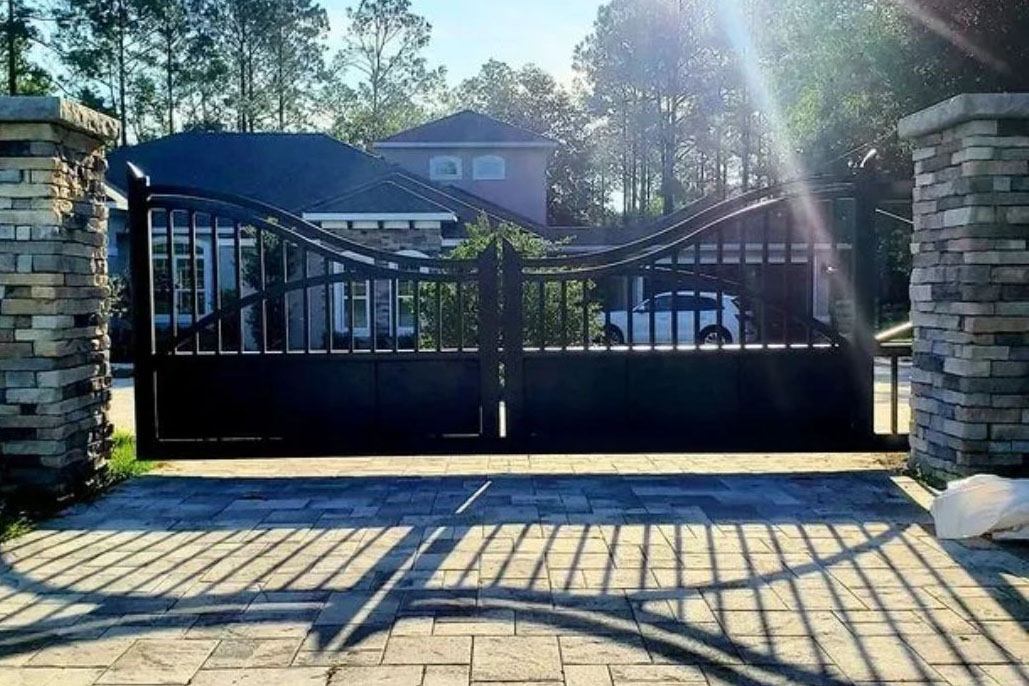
(970, 286)
(54, 368)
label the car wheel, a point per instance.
(715, 335)
(613, 336)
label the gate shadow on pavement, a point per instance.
(814, 578)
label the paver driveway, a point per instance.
(631, 570)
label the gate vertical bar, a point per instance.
(143, 311)
(511, 275)
(194, 299)
(216, 281)
(864, 285)
(489, 342)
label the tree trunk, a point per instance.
(702, 176)
(12, 62)
(169, 76)
(719, 182)
(241, 116)
(668, 161)
(122, 116)
(281, 83)
(746, 153)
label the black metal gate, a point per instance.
(259, 333)
(746, 325)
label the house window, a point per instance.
(405, 306)
(360, 307)
(445, 167)
(489, 168)
(183, 288)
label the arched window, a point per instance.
(489, 168)
(444, 167)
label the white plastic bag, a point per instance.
(980, 504)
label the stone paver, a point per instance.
(244, 653)
(519, 658)
(669, 674)
(378, 676)
(159, 661)
(563, 571)
(428, 650)
(305, 676)
(48, 676)
(602, 650)
(85, 653)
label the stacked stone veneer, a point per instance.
(54, 371)
(970, 286)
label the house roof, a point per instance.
(288, 170)
(298, 172)
(467, 128)
(372, 197)
(408, 190)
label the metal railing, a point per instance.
(894, 344)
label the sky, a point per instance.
(467, 33)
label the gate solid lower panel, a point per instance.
(797, 399)
(327, 404)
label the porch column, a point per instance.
(55, 390)
(970, 286)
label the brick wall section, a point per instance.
(428, 241)
(970, 286)
(54, 432)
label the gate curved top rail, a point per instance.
(562, 269)
(213, 261)
(159, 195)
(332, 247)
(705, 214)
(659, 260)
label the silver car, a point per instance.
(690, 307)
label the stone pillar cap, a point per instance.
(962, 108)
(25, 109)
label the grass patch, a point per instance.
(123, 463)
(13, 526)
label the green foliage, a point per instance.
(847, 71)
(124, 463)
(104, 46)
(274, 314)
(540, 323)
(482, 233)
(30, 77)
(657, 79)
(297, 61)
(13, 526)
(383, 47)
(166, 65)
(267, 57)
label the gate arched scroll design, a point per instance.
(257, 332)
(746, 325)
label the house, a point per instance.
(415, 198)
(488, 158)
(336, 186)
